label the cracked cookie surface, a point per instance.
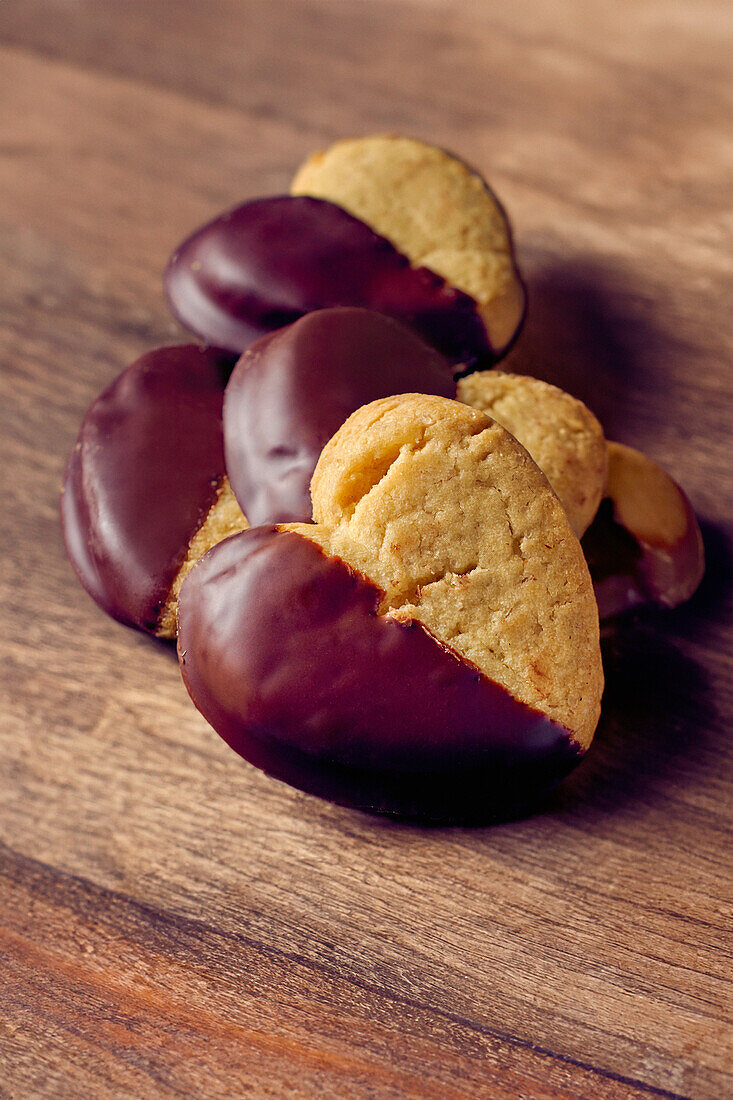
(442, 509)
(561, 434)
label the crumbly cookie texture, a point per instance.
(448, 514)
(561, 434)
(223, 519)
(434, 209)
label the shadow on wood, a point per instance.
(591, 331)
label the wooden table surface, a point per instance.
(173, 923)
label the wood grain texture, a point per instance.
(172, 923)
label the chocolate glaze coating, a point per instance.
(613, 555)
(293, 389)
(282, 651)
(142, 476)
(628, 573)
(269, 261)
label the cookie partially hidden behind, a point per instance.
(270, 261)
(145, 491)
(435, 210)
(561, 434)
(223, 519)
(428, 648)
(293, 388)
(644, 546)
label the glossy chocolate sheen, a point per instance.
(628, 573)
(282, 651)
(293, 389)
(142, 476)
(266, 263)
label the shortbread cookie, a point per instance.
(145, 491)
(645, 546)
(266, 263)
(435, 210)
(429, 647)
(294, 388)
(561, 434)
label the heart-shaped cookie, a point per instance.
(429, 647)
(408, 231)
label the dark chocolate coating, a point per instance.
(628, 573)
(613, 556)
(143, 474)
(266, 263)
(282, 651)
(293, 389)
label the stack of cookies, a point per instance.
(372, 547)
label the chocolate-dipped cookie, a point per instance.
(145, 491)
(428, 648)
(644, 546)
(436, 210)
(267, 262)
(293, 389)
